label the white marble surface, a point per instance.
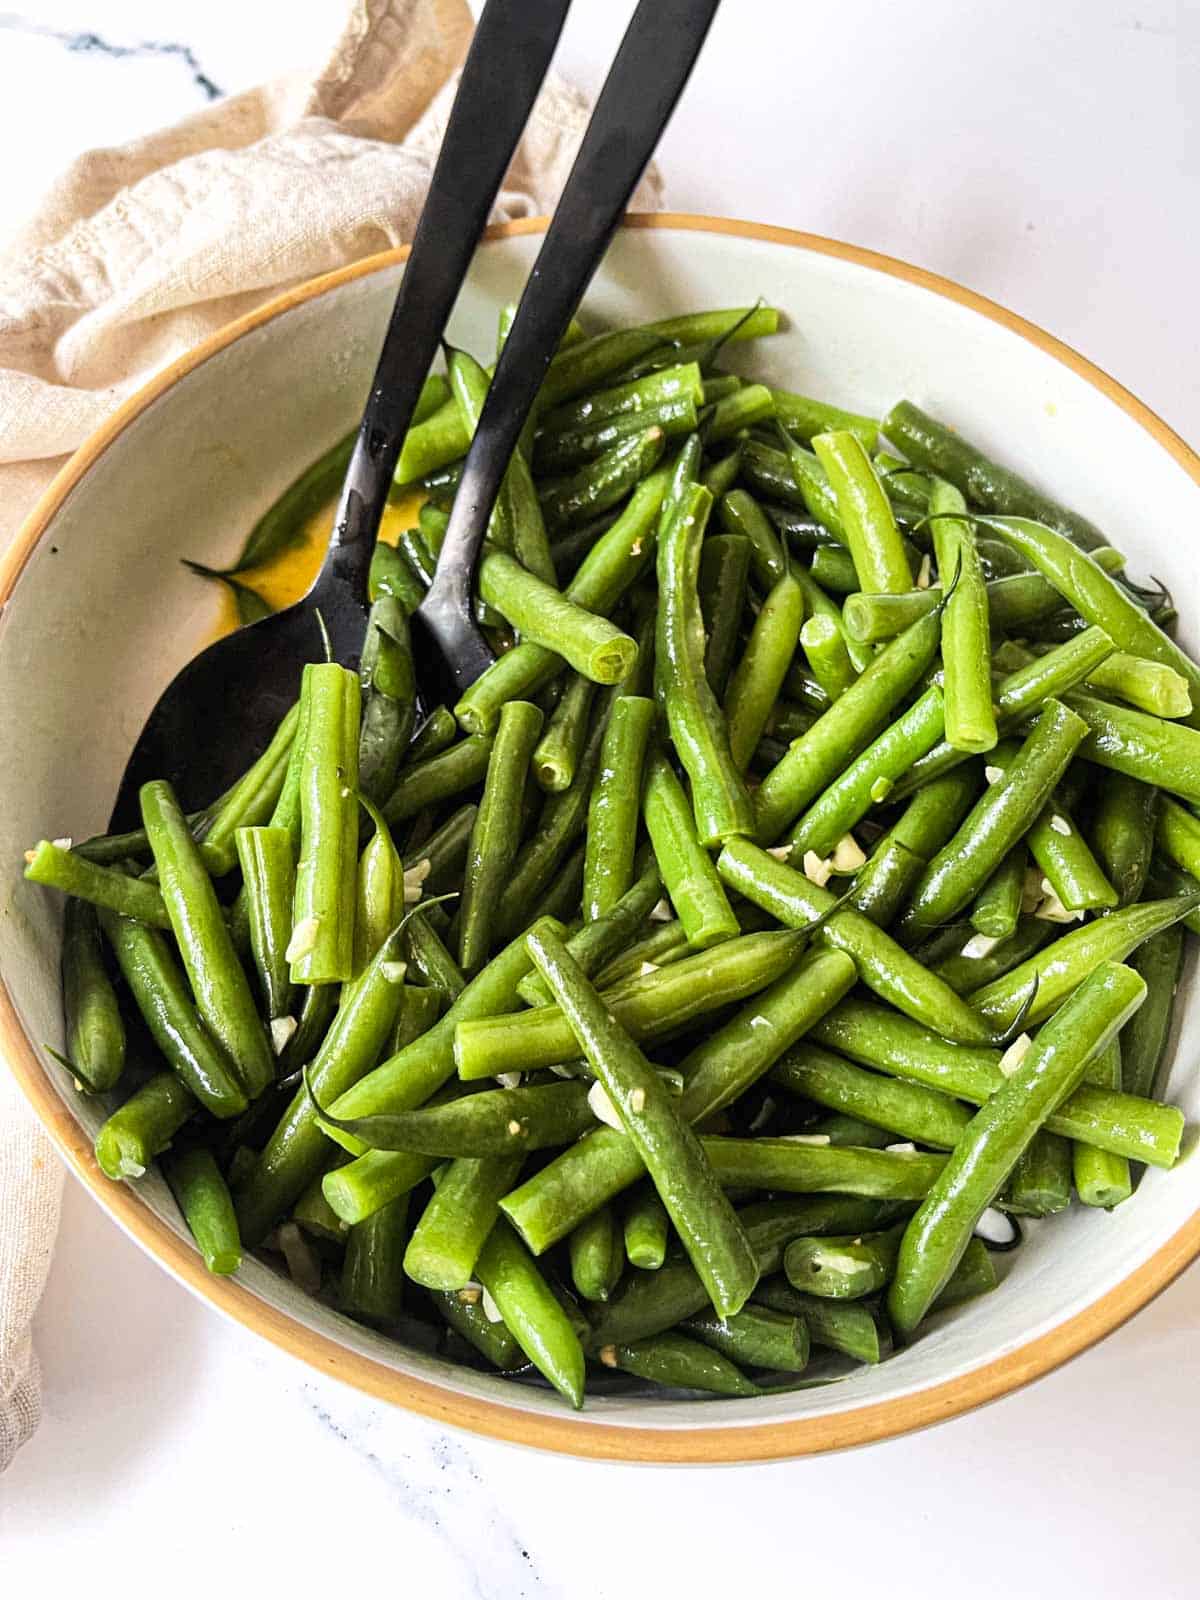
(1046, 154)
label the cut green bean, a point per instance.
(495, 836)
(95, 1033)
(615, 804)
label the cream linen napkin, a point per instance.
(140, 251)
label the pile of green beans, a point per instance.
(809, 875)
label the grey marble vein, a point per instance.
(435, 1480)
(85, 42)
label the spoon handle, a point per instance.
(504, 69)
(642, 88)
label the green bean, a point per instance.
(408, 1079)
(1098, 597)
(742, 517)
(965, 969)
(597, 1254)
(129, 1139)
(932, 445)
(1147, 685)
(1040, 1184)
(438, 439)
(322, 944)
(95, 1034)
(908, 1110)
(614, 804)
(1140, 1129)
(646, 1006)
(1102, 1179)
(1144, 1038)
(430, 961)
(646, 1229)
(829, 661)
(389, 704)
(439, 778)
(58, 867)
(865, 514)
(872, 618)
(667, 944)
(202, 1196)
(588, 364)
(833, 568)
(316, 1013)
(380, 893)
(420, 1008)
(716, 1072)
(612, 564)
(220, 986)
(562, 820)
(1065, 965)
(626, 399)
(444, 851)
(720, 801)
(161, 994)
(312, 1212)
(882, 964)
(1122, 833)
(843, 1268)
(603, 482)
(531, 1312)
(435, 734)
(647, 1303)
(454, 1226)
(372, 1286)
(391, 575)
(817, 757)
(493, 1123)
(1017, 695)
(467, 1318)
(679, 1363)
(849, 797)
(846, 1326)
(495, 837)
(788, 1166)
(719, 478)
(798, 478)
(997, 906)
(883, 885)
(970, 717)
(806, 418)
(748, 405)
(595, 943)
(253, 799)
(687, 872)
(703, 1218)
(269, 875)
(589, 643)
(996, 823)
(562, 450)
(721, 584)
(282, 523)
(758, 677)
(293, 1154)
(755, 1337)
(558, 750)
(937, 1236)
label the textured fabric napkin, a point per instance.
(138, 252)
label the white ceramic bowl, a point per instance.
(98, 614)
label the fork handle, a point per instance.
(643, 86)
(505, 67)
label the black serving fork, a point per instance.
(219, 712)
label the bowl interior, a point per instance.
(103, 614)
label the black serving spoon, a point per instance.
(219, 712)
